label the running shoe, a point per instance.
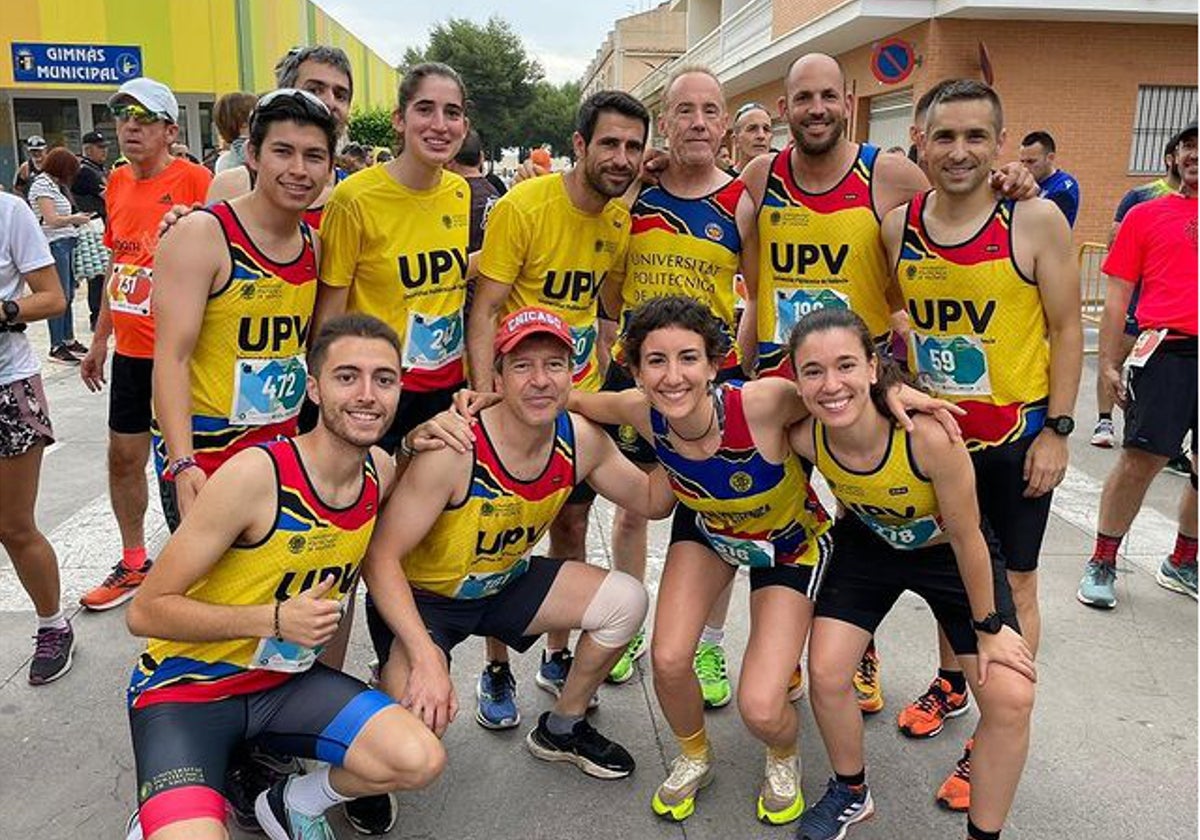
(496, 698)
(675, 798)
(867, 688)
(1098, 588)
(841, 807)
(1181, 579)
(279, 822)
(779, 799)
(63, 356)
(76, 348)
(709, 664)
(1104, 435)
(133, 828)
(251, 771)
(553, 673)
(118, 587)
(52, 651)
(372, 815)
(955, 792)
(584, 747)
(1179, 465)
(624, 669)
(925, 716)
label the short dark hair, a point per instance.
(674, 311)
(61, 164)
(354, 150)
(295, 107)
(287, 70)
(922, 107)
(968, 90)
(1041, 137)
(353, 325)
(831, 318)
(471, 153)
(231, 112)
(612, 101)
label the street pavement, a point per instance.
(1114, 738)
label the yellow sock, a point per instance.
(694, 746)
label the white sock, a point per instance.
(311, 794)
(58, 621)
(713, 635)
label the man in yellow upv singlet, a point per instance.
(550, 242)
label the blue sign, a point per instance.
(77, 64)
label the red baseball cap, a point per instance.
(531, 320)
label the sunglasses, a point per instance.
(136, 112)
(297, 94)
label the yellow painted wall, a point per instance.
(196, 46)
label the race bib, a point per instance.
(129, 289)
(1147, 342)
(585, 343)
(791, 305)
(482, 585)
(432, 340)
(955, 365)
(738, 551)
(288, 657)
(267, 390)
(915, 534)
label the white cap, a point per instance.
(152, 95)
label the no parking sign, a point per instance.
(892, 60)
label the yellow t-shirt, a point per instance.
(555, 256)
(403, 255)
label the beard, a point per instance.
(816, 148)
(336, 424)
(604, 187)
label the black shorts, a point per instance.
(804, 579)
(415, 408)
(183, 748)
(867, 576)
(1162, 400)
(1015, 524)
(504, 616)
(129, 388)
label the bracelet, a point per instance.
(179, 465)
(278, 632)
(405, 448)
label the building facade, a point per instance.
(64, 58)
(1110, 80)
(636, 46)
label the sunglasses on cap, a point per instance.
(137, 112)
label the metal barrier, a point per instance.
(1091, 282)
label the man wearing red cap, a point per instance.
(464, 531)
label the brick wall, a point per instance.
(788, 14)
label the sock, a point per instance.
(311, 794)
(713, 635)
(957, 680)
(58, 621)
(1106, 549)
(561, 724)
(782, 754)
(134, 558)
(1105, 415)
(694, 745)
(974, 832)
(1185, 551)
(854, 780)
(870, 647)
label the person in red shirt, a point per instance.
(1157, 388)
(147, 116)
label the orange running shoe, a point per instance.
(955, 792)
(867, 688)
(925, 716)
(117, 588)
(796, 684)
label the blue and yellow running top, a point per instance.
(480, 545)
(754, 513)
(308, 542)
(895, 499)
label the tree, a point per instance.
(371, 127)
(499, 75)
(550, 118)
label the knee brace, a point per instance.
(616, 611)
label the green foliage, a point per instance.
(550, 118)
(371, 127)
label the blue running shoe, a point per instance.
(496, 698)
(1099, 585)
(552, 675)
(279, 822)
(841, 807)
(1181, 579)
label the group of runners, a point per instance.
(296, 353)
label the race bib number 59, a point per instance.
(952, 365)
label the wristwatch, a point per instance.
(991, 624)
(1062, 425)
(11, 311)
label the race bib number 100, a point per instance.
(129, 289)
(791, 305)
(267, 390)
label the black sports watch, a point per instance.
(11, 310)
(1062, 425)
(991, 623)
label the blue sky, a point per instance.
(563, 36)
